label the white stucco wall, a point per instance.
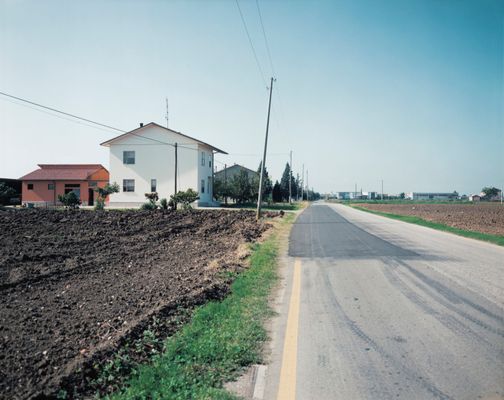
(205, 171)
(154, 160)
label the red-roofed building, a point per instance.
(42, 186)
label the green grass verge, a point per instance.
(496, 239)
(221, 339)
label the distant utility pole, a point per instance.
(382, 189)
(290, 178)
(167, 125)
(355, 192)
(259, 196)
(307, 187)
(302, 186)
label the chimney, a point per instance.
(141, 124)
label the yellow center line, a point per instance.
(287, 385)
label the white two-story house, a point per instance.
(143, 161)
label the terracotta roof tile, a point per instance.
(62, 172)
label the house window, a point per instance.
(202, 186)
(128, 185)
(210, 164)
(203, 158)
(30, 186)
(128, 157)
(93, 183)
(50, 186)
(153, 185)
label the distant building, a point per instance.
(369, 195)
(432, 196)
(345, 195)
(356, 195)
(232, 171)
(474, 197)
(42, 186)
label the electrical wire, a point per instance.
(61, 112)
(265, 38)
(251, 44)
(54, 115)
(78, 120)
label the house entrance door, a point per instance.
(90, 197)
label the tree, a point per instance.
(402, 195)
(277, 192)
(267, 185)
(284, 183)
(69, 200)
(6, 192)
(221, 189)
(241, 188)
(103, 193)
(490, 192)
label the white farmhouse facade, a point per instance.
(143, 161)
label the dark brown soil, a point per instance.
(75, 285)
(478, 217)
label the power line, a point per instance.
(61, 112)
(266, 42)
(265, 38)
(183, 145)
(251, 44)
(56, 116)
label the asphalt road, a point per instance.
(375, 308)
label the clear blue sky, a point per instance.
(411, 92)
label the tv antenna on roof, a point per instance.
(167, 113)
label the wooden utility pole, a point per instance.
(382, 189)
(259, 196)
(290, 178)
(176, 166)
(225, 184)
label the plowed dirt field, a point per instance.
(478, 217)
(75, 285)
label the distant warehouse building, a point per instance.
(432, 196)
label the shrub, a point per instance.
(163, 203)
(69, 200)
(153, 197)
(148, 206)
(151, 204)
(185, 198)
